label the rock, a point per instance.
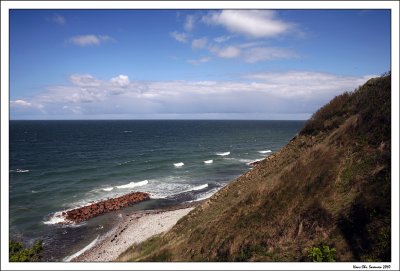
(84, 213)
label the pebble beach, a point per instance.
(134, 228)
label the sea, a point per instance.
(60, 165)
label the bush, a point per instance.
(20, 254)
(322, 254)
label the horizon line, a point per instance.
(158, 119)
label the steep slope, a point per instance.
(330, 185)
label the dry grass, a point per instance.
(329, 186)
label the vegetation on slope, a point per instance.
(324, 196)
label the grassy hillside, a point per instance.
(325, 196)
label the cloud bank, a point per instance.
(294, 92)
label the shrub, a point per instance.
(322, 254)
(20, 254)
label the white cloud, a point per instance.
(251, 23)
(294, 92)
(201, 60)
(222, 39)
(121, 80)
(58, 19)
(258, 54)
(199, 43)
(83, 80)
(89, 40)
(189, 23)
(251, 52)
(77, 110)
(226, 52)
(21, 103)
(257, 24)
(181, 37)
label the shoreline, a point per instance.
(135, 227)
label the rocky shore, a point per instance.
(86, 212)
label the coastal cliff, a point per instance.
(328, 191)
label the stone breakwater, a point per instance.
(86, 212)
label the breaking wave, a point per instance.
(18, 170)
(199, 187)
(132, 184)
(254, 161)
(180, 164)
(208, 162)
(223, 153)
(266, 151)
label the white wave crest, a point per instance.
(108, 188)
(199, 187)
(266, 151)
(69, 258)
(180, 164)
(18, 170)
(132, 184)
(254, 161)
(208, 162)
(159, 189)
(223, 153)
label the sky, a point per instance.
(190, 64)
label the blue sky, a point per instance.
(195, 64)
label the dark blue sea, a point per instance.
(58, 165)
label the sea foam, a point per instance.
(195, 188)
(56, 218)
(108, 188)
(208, 162)
(223, 153)
(132, 184)
(266, 151)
